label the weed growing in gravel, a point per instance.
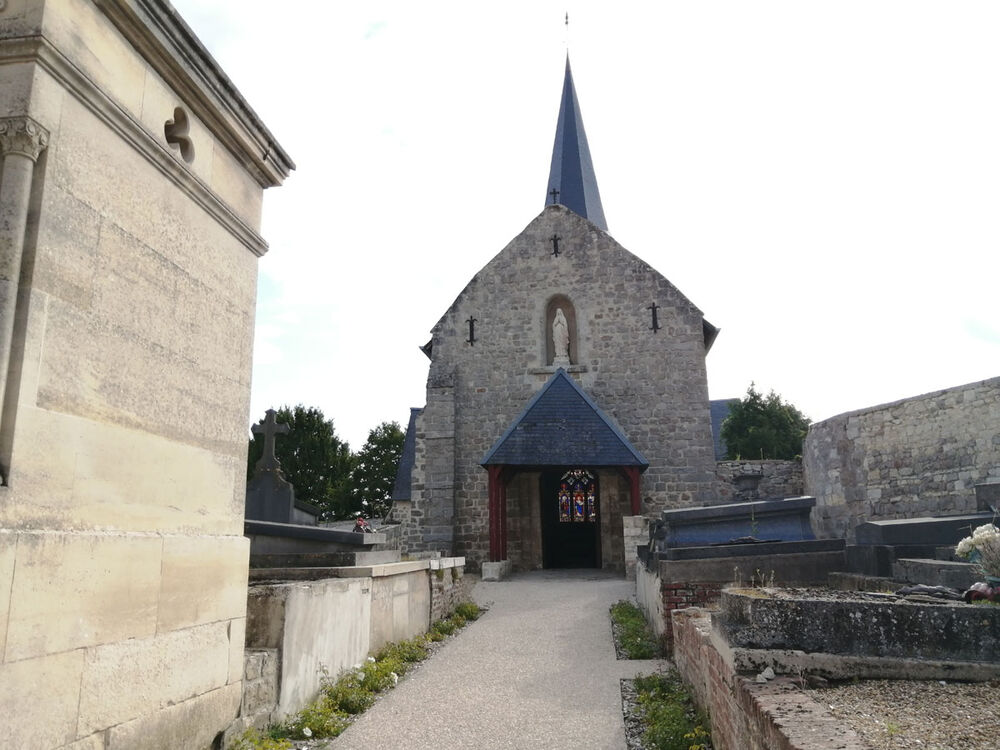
(356, 689)
(672, 722)
(635, 639)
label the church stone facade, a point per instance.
(636, 355)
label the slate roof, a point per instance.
(719, 410)
(562, 426)
(401, 487)
(572, 171)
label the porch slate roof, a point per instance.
(562, 426)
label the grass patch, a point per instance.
(670, 718)
(633, 636)
(355, 690)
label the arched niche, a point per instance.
(561, 302)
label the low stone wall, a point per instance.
(658, 599)
(779, 479)
(915, 457)
(744, 714)
(300, 631)
(449, 586)
(650, 599)
(663, 586)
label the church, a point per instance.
(567, 392)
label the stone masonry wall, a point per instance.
(127, 299)
(653, 384)
(779, 479)
(914, 457)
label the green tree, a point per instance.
(763, 427)
(313, 459)
(375, 471)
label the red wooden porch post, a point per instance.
(496, 524)
(502, 480)
(632, 472)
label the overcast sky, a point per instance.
(821, 179)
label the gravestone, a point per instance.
(988, 497)
(283, 531)
(881, 545)
(271, 497)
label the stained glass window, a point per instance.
(578, 497)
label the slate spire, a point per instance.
(572, 171)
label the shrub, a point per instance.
(349, 694)
(380, 675)
(404, 654)
(321, 718)
(468, 610)
(444, 627)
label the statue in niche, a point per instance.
(560, 339)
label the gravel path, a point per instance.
(893, 714)
(538, 670)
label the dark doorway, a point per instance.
(571, 519)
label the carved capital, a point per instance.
(22, 135)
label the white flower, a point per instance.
(985, 531)
(307, 731)
(395, 677)
(371, 659)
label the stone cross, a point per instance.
(269, 428)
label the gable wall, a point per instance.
(653, 385)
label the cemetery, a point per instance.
(744, 590)
(151, 598)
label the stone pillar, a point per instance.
(21, 141)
